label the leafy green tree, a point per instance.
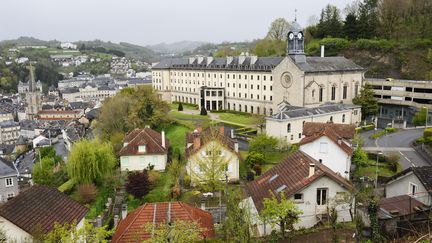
(373, 216)
(68, 233)
(367, 101)
(420, 117)
(263, 144)
(368, 19)
(255, 158)
(50, 170)
(278, 29)
(281, 212)
(360, 157)
(90, 161)
(179, 231)
(237, 224)
(270, 47)
(212, 167)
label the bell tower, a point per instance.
(33, 97)
(295, 39)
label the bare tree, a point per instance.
(278, 29)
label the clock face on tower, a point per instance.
(286, 80)
(300, 35)
(291, 36)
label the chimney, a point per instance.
(311, 169)
(229, 60)
(203, 204)
(196, 143)
(222, 130)
(163, 138)
(124, 211)
(236, 147)
(322, 50)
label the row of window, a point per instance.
(233, 76)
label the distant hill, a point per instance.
(30, 41)
(131, 50)
(176, 47)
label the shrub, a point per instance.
(87, 193)
(138, 184)
(186, 180)
(180, 107)
(263, 143)
(427, 132)
(254, 158)
(153, 176)
(359, 157)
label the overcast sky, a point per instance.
(151, 21)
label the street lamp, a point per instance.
(376, 169)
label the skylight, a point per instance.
(273, 177)
(281, 188)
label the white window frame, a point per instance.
(320, 201)
(141, 148)
(298, 200)
(323, 147)
(411, 185)
(9, 184)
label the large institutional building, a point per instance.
(259, 85)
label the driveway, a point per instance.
(399, 142)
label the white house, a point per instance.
(201, 144)
(415, 182)
(329, 145)
(311, 185)
(143, 148)
(68, 45)
(8, 181)
(42, 207)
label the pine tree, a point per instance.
(180, 106)
(367, 101)
(350, 29)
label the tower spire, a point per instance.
(32, 78)
(295, 15)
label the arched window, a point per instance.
(343, 118)
(313, 93)
(345, 91)
(333, 92)
(331, 119)
(289, 127)
(303, 123)
(321, 93)
(271, 112)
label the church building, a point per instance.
(259, 85)
(33, 97)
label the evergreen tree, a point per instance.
(350, 29)
(367, 101)
(180, 106)
(368, 19)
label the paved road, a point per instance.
(399, 142)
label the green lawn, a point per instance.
(174, 106)
(383, 170)
(244, 119)
(176, 134)
(272, 159)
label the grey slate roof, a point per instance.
(262, 63)
(9, 123)
(6, 169)
(328, 64)
(423, 173)
(289, 112)
(312, 64)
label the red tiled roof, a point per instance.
(148, 137)
(399, 206)
(329, 132)
(204, 137)
(130, 229)
(293, 173)
(40, 207)
(344, 130)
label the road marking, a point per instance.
(383, 149)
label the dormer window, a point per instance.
(141, 149)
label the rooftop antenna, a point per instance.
(295, 15)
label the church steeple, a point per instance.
(32, 84)
(295, 38)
